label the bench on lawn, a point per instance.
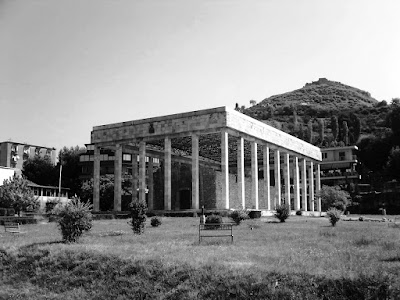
(12, 227)
(215, 230)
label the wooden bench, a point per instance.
(215, 230)
(12, 227)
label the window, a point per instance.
(324, 155)
(84, 158)
(127, 157)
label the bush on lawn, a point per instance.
(282, 212)
(138, 214)
(73, 219)
(155, 221)
(334, 215)
(213, 219)
(239, 215)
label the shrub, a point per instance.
(363, 241)
(138, 214)
(51, 204)
(155, 221)
(73, 219)
(282, 212)
(238, 216)
(333, 196)
(299, 213)
(334, 215)
(213, 219)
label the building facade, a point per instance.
(237, 141)
(13, 154)
(338, 166)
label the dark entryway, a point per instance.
(184, 199)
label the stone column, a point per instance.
(303, 172)
(296, 183)
(267, 179)
(311, 185)
(151, 185)
(117, 177)
(225, 168)
(167, 174)
(134, 177)
(240, 172)
(277, 171)
(195, 171)
(318, 186)
(254, 174)
(287, 178)
(142, 171)
(96, 179)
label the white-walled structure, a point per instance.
(270, 152)
(6, 173)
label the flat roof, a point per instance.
(202, 122)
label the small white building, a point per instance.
(6, 173)
(43, 192)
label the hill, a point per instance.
(325, 94)
(317, 102)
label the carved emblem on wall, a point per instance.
(151, 128)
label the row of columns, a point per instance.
(299, 171)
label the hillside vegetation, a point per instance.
(317, 102)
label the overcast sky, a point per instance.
(66, 66)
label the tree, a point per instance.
(16, 193)
(393, 121)
(295, 121)
(356, 127)
(321, 130)
(396, 101)
(301, 131)
(69, 159)
(345, 133)
(106, 192)
(335, 127)
(333, 196)
(374, 152)
(40, 170)
(393, 165)
(310, 132)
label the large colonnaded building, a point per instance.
(217, 158)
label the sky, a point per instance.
(69, 65)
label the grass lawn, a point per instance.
(263, 250)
